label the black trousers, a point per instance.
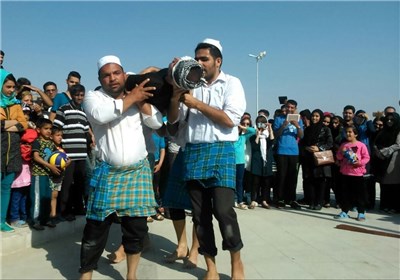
(217, 201)
(390, 194)
(317, 190)
(177, 214)
(354, 193)
(287, 167)
(73, 188)
(95, 235)
(261, 188)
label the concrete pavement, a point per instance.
(278, 244)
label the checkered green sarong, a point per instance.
(128, 191)
(213, 164)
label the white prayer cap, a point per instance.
(108, 59)
(213, 42)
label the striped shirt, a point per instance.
(75, 127)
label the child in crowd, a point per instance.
(159, 156)
(352, 158)
(261, 162)
(40, 193)
(21, 184)
(245, 132)
(56, 180)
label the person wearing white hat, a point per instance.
(214, 111)
(121, 186)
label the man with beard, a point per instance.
(121, 187)
(213, 112)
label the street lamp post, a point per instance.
(258, 58)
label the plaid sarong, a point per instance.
(213, 164)
(176, 194)
(128, 191)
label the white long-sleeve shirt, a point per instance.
(225, 93)
(119, 136)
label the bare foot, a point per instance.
(237, 270)
(188, 264)
(116, 257)
(211, 275)
(191, 262)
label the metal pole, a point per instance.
(258, 58)
(257, 85)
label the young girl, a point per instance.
(20, 186)
(352, 157)
(261, 162)
(245, 132)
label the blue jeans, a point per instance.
(6, 182)
(239, 183)
(18, 204)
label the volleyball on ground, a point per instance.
(58, 159)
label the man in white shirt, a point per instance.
(121, 186)
(214, 113)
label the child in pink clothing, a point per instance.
(21, 184)
(352, 157)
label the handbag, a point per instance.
(323, 157)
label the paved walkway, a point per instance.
(279, 244)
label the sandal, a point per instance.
(113, 258)
(158, 217)
(174, 256)
(242, 206)
(189, 265)
(253, 205)
(150, 219)
(265, 205)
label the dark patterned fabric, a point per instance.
(176, 194)
(45, 148)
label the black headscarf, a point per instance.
(387, 136)
(312, 132)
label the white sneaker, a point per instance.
(19, 224)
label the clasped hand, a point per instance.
(140, 93)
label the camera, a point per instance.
(261, 125)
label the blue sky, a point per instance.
(322, 54)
